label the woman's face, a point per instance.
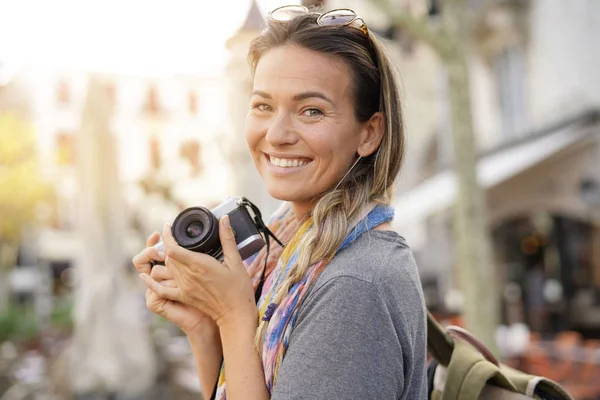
(301, 128)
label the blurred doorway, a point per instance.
(551, 271)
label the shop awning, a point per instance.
(439, 192)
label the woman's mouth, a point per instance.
(287, 162)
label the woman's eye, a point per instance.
(262, 107)
(312, 112)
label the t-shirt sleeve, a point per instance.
(343, 346)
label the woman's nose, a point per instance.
(281, 132)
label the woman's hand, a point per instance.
(221, 290)
(141, 261)
(187, 318)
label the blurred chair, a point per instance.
(534, 336)
(565, 353)
(536, 359)
(587, 384)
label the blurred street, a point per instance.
(115, 117)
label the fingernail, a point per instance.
(161, 254)
(167, 226)
(226, 222)
(143, 276)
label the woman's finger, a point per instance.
(231, 254)
(141, 261)
(153, 239)
(177, 269)
(160, 273)
(164, 291)
(169, 283)
(155, 303)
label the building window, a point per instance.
(65, 149)
(111, 94)
(192, 103)
(63, 93)
(190, 152)
(509, 71)
(155, 159)
(152, 103)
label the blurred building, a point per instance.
(239, 91)
(179, 140)
(180, 143)
(170, 141)
(536, 106)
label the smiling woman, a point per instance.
(341, 313)
(302, 133)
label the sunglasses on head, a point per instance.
(340, 16)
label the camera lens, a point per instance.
(197, 229)
(194, 229)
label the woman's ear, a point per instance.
(371, 135)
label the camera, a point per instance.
(197, 229)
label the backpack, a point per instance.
(462, 368)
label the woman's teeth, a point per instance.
(286, 163)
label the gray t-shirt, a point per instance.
(361, 331)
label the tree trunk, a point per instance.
(111, 350)
(450, 37)
(474, 261)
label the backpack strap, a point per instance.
(468, 373)
(476, 379)
(439, 343)
(535, 385)
(461, 363)
(468, 369)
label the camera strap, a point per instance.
(266, 232)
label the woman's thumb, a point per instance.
(228, 243)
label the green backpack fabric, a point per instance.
(463, 369)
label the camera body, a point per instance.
(197, 229)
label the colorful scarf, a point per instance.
(281, 317)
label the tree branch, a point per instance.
(418, 27)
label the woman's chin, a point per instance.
(284, 193)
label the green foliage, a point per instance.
(18, 323)
(21, 185)
(22, 191)
(61, 317)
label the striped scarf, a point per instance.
(281, 317)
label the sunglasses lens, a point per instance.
(337, 17)
(287, 13)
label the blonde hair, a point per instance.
(372, 179)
